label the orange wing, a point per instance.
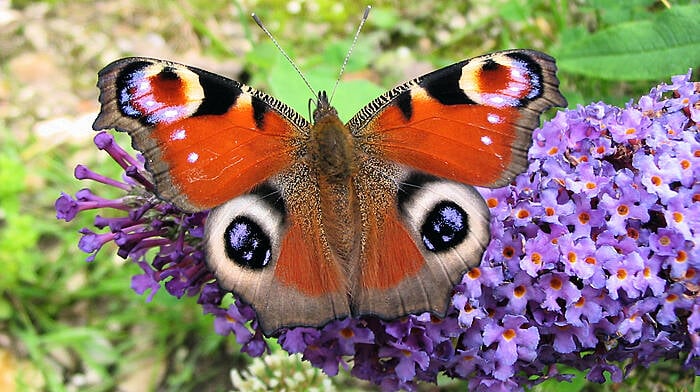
(470, 122)
(206, 139)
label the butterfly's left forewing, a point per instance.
(206, 138)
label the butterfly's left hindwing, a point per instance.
(272, 253)
(206, 138)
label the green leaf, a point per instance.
(615, 11)
(353, 95)
(12, 176)
(18, 246)
(654, 49)
(515, 11)
(287, 86)
(384, 17)
(6, 310)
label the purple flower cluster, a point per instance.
(593, 261)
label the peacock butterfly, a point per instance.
(314, 221)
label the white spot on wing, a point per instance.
(486, 140)
(496, 100)
(192, 157)
(170, 113)
(499, 100)
(179, 134)
(493, 119)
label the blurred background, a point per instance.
(68, 325)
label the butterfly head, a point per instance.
(323, 107)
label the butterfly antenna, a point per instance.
(352, 46)
(274, 41)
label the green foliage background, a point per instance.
(66, 325)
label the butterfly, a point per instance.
(321, 220)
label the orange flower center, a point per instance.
(347, 333)
(556, 283)
(492, 202)
(519, 291)
(474, 273)
(677, 217)
(623, 210)
(633, 233)
(584, 217)
(509, 334)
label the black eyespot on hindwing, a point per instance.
(445, 226)
(247, 244)
(168, 73)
